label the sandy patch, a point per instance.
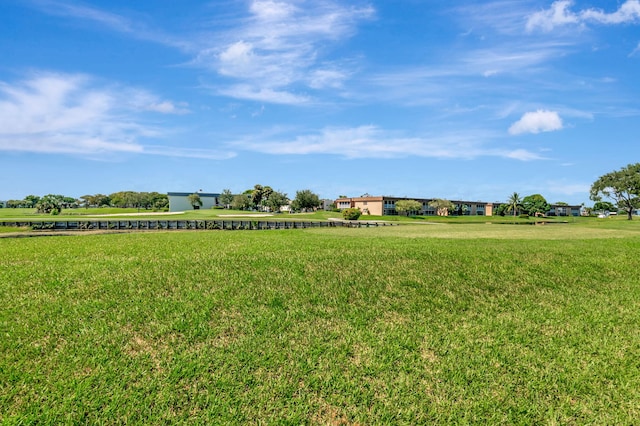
(134, 214)
(246, 215)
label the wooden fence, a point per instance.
(140, 225)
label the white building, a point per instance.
(179, 201)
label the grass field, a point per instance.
(446, 324)
(114, 213)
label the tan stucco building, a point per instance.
(385, 206)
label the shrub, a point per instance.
(351, 214)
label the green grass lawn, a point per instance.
(445, 324)
(115, 213)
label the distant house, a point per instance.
(564, 210)
(326, 204)
(179, 201)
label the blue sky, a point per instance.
(462, 100)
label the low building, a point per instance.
(565, 210)
(326, 204)
(179, 201)
(386, 206)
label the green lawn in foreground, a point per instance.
(447, 324)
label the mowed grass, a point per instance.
(113, 213)
(446, 324)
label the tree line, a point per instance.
(616, 191)
(54, 203)
(263, 198)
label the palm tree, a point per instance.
(513, 203)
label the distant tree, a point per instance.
(100, 200)
(31, 201)
(460, 209)
(226, 198)
(87, 201)
(603, 206)
(443, 207)
(241, 202)
(50, 204)
(257, 194)
(161, 204)
(514, 203)
(158, 201)
(266, 192)
(408, 206)
(535, 205)
(144, 200)
(561, 203)
(500, 210)
(276, 201)
(622, 186)
(195, 200)
(305, 200)
(351, 214)
(120, 199)
(69, 202)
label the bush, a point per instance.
(351, 214)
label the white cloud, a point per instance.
(536, 122)
(109, 20)
(628, 12)
(523, 155)
(323, 78)
(559, 14)
(206, 154)
(268, 95)
(166, 107)
(72, 114)
(275, 50)
(279, 46)
(272, 10)
(372, 142)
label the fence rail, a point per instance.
(140, 225)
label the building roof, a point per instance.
(186, 194)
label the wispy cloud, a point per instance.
(269, 54)
(373, 142)
(74, 114)
(263, 94)
(536, 122)
(278, 46)
(560, 14)
(112, 21)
